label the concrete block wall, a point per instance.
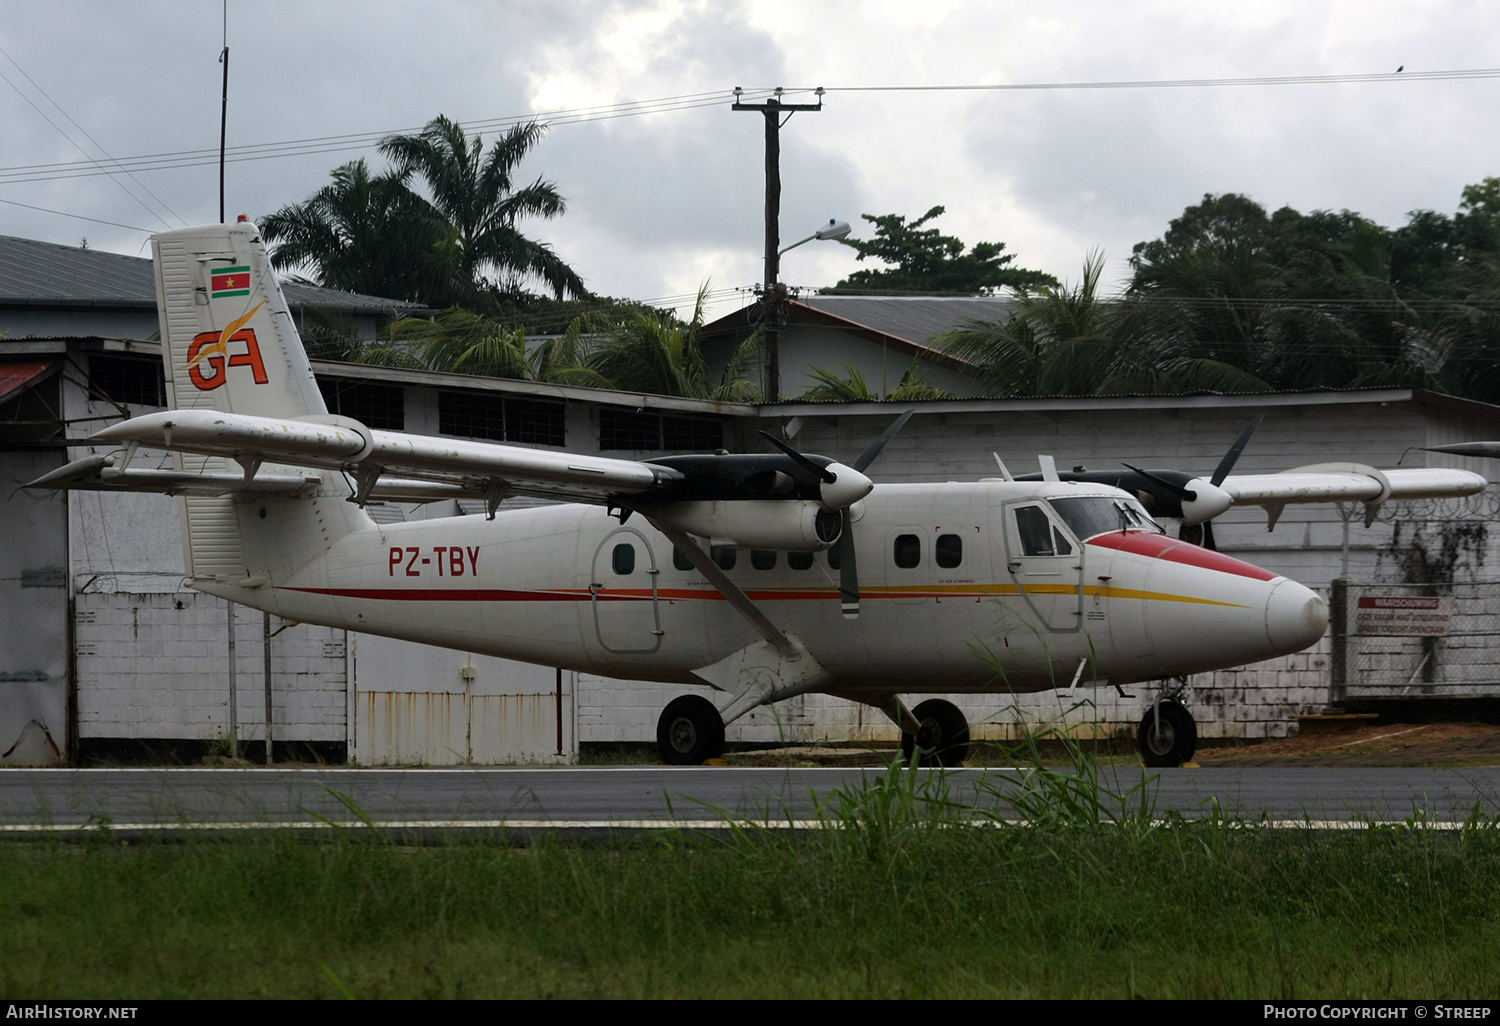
(156, 666)
(1256, 701)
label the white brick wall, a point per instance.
(156, 666)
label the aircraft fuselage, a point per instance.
(965, 587)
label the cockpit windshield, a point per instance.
(1092, 515)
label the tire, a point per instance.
(944, 737)
(690, 730)
(1177, 740)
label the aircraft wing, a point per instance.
(1349, 482)
(428, 467)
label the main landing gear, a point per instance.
(690, 731)
(1168, 736)
(943, 736)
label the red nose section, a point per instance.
(1159, 546)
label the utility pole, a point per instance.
(773, 293)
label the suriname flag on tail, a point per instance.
(229, 281)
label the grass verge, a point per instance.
(906, 893)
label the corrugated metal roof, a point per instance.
(16, 376)
(45, 274)
(915, 319)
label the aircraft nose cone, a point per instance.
(1296, 617)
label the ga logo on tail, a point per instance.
(212, 348)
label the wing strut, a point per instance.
(763, 671)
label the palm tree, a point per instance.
(361, 233)
(1067, 340)
(473, 193)
(463, 342)
(853, 388)
(656, 353)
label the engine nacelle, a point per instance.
(786, 525)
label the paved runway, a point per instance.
(635, 797)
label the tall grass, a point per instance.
(910, 889)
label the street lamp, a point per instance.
(774, 300)
(834, 230)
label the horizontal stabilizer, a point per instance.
(98, 473)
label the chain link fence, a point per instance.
(1415, 640)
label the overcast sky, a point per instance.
(658, 204)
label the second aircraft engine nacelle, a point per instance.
(786, 525)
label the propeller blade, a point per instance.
(1185, 494)
(1227, 463)
(1208, 536)
(868, 456)
(826, 475)
(848, 572)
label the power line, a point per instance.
(80, 217)
(80, 149)
(689, 101)
(355, 141)
(1181, 83)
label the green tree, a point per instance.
(474, 195)
(1068, 340)
(463, 342)
(925, 260)
(657, 353)
(360, 233)
(854, 388)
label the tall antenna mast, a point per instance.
(223, 109)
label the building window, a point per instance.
(129, 379)
(627, 429)
(382, 407)
(949, 551)
(502, 418)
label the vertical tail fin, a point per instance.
(228, 340)
(229, 344)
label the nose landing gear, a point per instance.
(1168, 736)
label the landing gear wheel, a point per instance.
(944, 737)
(690, 730)
(1173, 740)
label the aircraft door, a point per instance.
(623, 592)
(1046, 563)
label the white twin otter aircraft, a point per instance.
(871, 592)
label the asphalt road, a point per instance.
(605, 798)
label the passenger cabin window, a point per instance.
(724, 556)
(763, 559)
(799, 560)
(907, 551)
(949, 551)
(833, 558)
(622, 560)
(680, 560)
(1039, 537)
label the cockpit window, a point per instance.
(1093, 515)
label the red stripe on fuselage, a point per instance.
(1159, 546)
